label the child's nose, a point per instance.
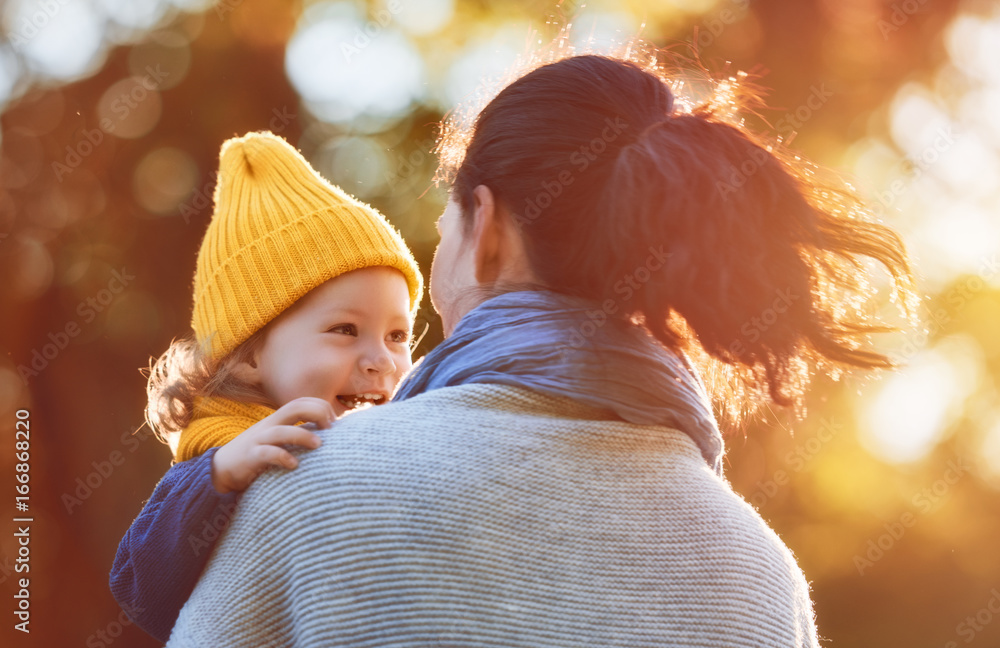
(378, 362)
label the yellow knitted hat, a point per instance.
(278, 231)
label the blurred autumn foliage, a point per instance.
(106, 176)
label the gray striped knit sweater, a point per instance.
(487, 515)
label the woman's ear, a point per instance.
(499, 251)
(486, 235)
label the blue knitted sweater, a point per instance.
(165, 550)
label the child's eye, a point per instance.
(344, 329)
(400, 337)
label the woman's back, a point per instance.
(490, 515)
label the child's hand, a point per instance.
(236, 464)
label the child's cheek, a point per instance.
(402, 367)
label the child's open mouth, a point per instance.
(351, 401)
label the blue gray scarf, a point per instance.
(551, 344)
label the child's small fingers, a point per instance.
(306, 408)
(290, 435)
(275, 456)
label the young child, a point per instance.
(303, 306)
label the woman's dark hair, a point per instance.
(679, 218)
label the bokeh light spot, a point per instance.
(164, 178)
(131, 107)
(911, 411)
(990, 448)
(421, 17)
(603, 32)
(33, 269)
(356, 164)
(10, 76)
(345, 67)
(63, 41)
(130, 20)
(974, 45)
(10, 391)
(477, 71)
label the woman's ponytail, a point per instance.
(760, 264)
(680, 219)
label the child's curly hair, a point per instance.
(183, 373)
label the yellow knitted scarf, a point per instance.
(215, 422)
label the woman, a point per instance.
(550, 475)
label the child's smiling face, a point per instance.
(347, 342)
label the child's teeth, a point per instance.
(357, 399)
